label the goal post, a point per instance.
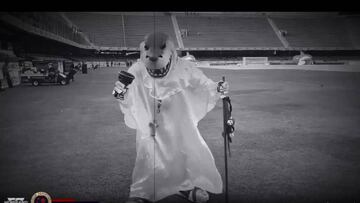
(255, 61)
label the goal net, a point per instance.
(255, 60)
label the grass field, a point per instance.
(297, 138)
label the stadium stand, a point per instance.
(221, 32)
(101, 29)
(329, 32)
(111, 30)
(217, 31)
(51, 22)
(123, 31)
(353, 28)
(136, 27)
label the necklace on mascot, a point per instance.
(158, 105)
(153, 125)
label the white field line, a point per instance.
(340, 68)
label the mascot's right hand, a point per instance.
(119, 90)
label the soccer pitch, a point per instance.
(297, 138)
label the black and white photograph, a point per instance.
(179, 106)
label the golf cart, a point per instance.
(44, 72)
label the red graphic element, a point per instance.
(64, 200)
(41, 199)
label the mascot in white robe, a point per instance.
(164, 103)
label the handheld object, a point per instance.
(125, 78)
(228, 134)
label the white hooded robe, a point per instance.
(177, 158)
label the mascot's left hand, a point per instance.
(223, 87)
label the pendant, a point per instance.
(158, 105)
(153, 126)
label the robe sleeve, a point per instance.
(203, 94)
(127, 105)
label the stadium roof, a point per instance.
(216, 13)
